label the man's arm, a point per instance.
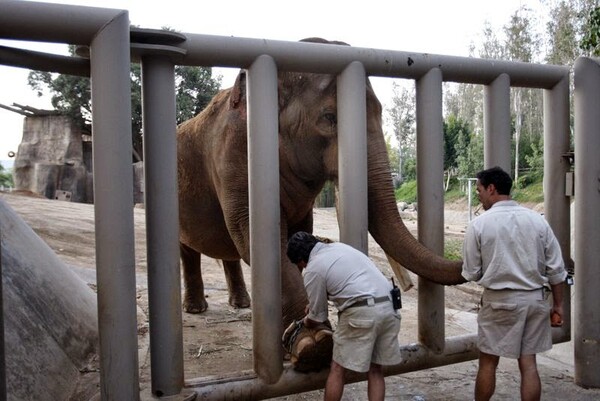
(316, 289)
(557, 304)
(472, 269)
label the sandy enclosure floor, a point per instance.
(219, 341)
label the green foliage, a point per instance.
(410, 168)
(470, 158)
(71, 95)
(6, 178)
(532, 193)
(590, 41)
(535, 160)
(393, 155)
(195, 87)
(407, 192)
(457, 136)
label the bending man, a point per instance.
(367, 333)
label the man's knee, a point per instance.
(488, 361)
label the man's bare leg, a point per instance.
(376, 383)
(531, 386)
(485, 385)
(334, 388)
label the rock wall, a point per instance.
(53, 160)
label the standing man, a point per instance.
(367, 334)
(512, 252)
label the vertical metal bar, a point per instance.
(587, 222)
(430, 194)
(162, 225)
(556, 203)
(265, 236)
(496, 123)
(113, 196)
(2, 344)
(352, 140)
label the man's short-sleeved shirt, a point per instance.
(512, 247)
(341, 274)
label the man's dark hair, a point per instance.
(300, 245)
(498, 177)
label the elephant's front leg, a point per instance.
(193, 298)
(238, 294)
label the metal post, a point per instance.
(430, 194)
(162, 225)
(352, 140)
(556, 202)
(265, 236)
(2, 345)
(496, 123)
(587, 222)
(113, 195)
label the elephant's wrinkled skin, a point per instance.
(213, 187)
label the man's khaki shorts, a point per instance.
(512, 323)
(365, 335)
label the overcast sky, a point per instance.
(423, 26)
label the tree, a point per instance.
(457, 137)
(521, 43)
(6, 178)
(561, 31)
(194, 87)
(403, 120)
(590, 42)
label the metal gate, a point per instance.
(108, 34)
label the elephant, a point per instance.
(213, 187)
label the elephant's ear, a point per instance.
(237, 99)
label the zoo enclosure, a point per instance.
(112, 40)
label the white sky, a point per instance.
(423, 26)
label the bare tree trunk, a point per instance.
(518, 127)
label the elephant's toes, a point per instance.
(313, 353)
(239, 300)
(194, 306)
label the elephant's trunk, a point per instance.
(388, 229)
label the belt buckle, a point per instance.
(371, 301)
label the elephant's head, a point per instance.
(308, 158)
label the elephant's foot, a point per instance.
(313, 350)
(194, 305)
(239, 299)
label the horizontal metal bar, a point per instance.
(44, 22)
(248, 387)
(225, 51)
(41, 61)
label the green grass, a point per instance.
(532, 193)
(407, 192)
(453, 248)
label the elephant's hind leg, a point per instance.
(193, 298)
(238, 295)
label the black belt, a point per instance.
(365, 302)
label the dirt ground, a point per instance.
(219, 341)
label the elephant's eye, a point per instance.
(331, 117)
